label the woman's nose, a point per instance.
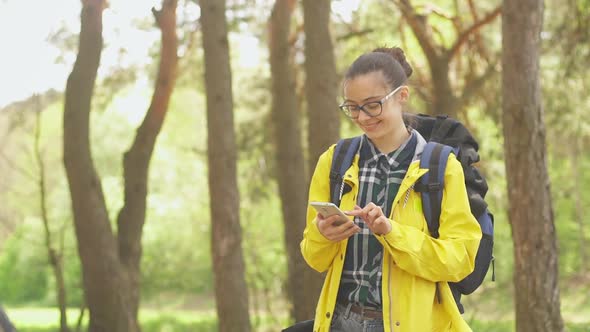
(363, 116)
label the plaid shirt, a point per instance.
(380, 178)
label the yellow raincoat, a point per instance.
(413, 261)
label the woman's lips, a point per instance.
(370, 126)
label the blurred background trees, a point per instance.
(264, 111)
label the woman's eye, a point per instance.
(372, 106)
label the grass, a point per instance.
(46, 320)
(486, 312)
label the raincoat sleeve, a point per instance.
(451, 257)
(317, 250)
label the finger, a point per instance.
(348, 233)
(328, 232)
(335, 218)
(324, 226)
(345, 228)
(374, 213)
(348, 225)
(370, 206)
(329, 229)
(355, 212)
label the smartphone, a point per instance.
(327, 209)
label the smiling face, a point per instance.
(372, 87)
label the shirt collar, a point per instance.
(370, 153)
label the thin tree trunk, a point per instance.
(444, 100)
(321, 91)
(54, 257)
(105, 284)
(231, 292)
(321, 86)
(530, 206)
(290, 159)
(137, 160)
(80, 317)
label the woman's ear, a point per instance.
(404, 94)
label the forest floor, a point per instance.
(489, 310)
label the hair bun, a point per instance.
(399, 56)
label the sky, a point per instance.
(28, 60)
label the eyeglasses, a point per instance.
(372, 108)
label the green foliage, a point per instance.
(264, 254)
(176, 233)
(23, 272)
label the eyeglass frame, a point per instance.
(343, 107)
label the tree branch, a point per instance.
(475, 85)
(354, 33)
(137, 159)
(418, 25)
(440, 35)
(431, 8)
(473, 28)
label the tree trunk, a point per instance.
(442, 92)
(290, 159)
(321, 86)
(5, 324)
(54, 257)
(111, 279)
(136, 161)
(530, 210)
(231, 292)
(321, 92)
(105, 284)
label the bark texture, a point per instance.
(321, 92)
(137, 159)
(290, 160)
(321, 85)
(231, 292)
(530, 205)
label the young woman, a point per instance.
(384, 271)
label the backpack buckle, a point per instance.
(428, 187)
(437, 186)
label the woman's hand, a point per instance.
(333, 231)
(373, 216)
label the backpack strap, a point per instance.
(434, 158)
(341, 161)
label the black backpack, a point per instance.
(444, 135)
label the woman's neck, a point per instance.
(389, 143)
